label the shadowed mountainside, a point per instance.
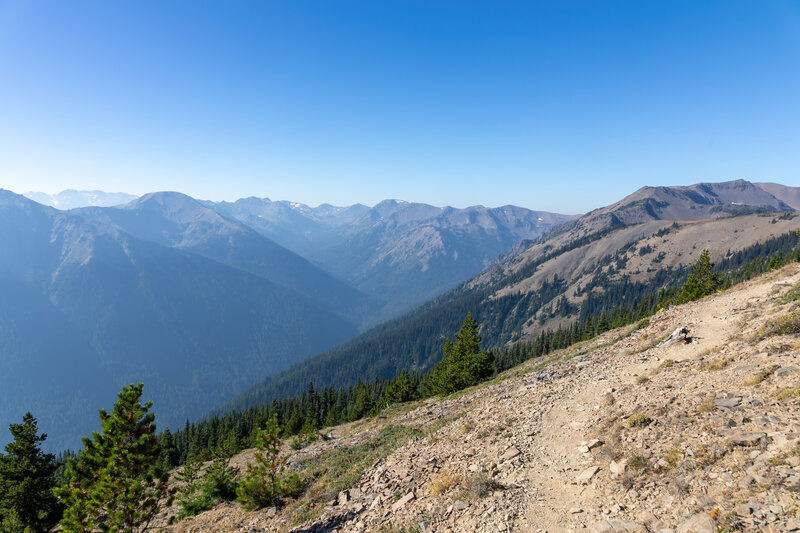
(87, 308)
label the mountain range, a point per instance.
(70, 198)
(400, 253)
(168, 291)
(606, 258)
(88, 307)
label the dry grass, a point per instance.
(707, 407)
(673, 456)
(716, 364)
(788, 393)
(444, 481)
(791, 295)
(481, 485)
(783, 325)
(758, 378)
(667, 363)
(638, 464)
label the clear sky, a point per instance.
(561, 105)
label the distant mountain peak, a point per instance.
(71, 198)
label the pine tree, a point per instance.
(263, 483)
(117, 481)
(464, 364)
(702, 281)
(27, 502)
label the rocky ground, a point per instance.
(621, 434)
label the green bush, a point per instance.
(639, 420)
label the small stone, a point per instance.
(594, 443)
(586, 476)
(699, 523)
(510, 453)
(617, 468)
(747, 438)
(745, 482)
(615, 525)
(575, 510)
(399, 504)
(785, 370)
(727, 403)
(743, 509)
(344, 497)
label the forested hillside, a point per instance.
(585, 278)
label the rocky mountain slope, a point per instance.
(87, 308)
(788, 195)
(402, 253)
(623, 433)
(700, 201)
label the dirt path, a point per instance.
(572, 407)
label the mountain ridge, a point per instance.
(177, 220)
(88, 308)
(397, 251)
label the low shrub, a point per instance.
(639, 420)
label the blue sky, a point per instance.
(562, 105)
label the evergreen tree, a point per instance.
(295, 423)
(362, 401)
(401, 390)
(702, 281)
(192, 500)
(263, 483)
(117, 481)
(463, 364)
(27, 502)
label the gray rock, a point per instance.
(785, 370)
(510, 454)
(699, 523)
(617, 526)
(399, 504)
(727, 403)
(586, 476)
(748, 438)
(617, 468)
